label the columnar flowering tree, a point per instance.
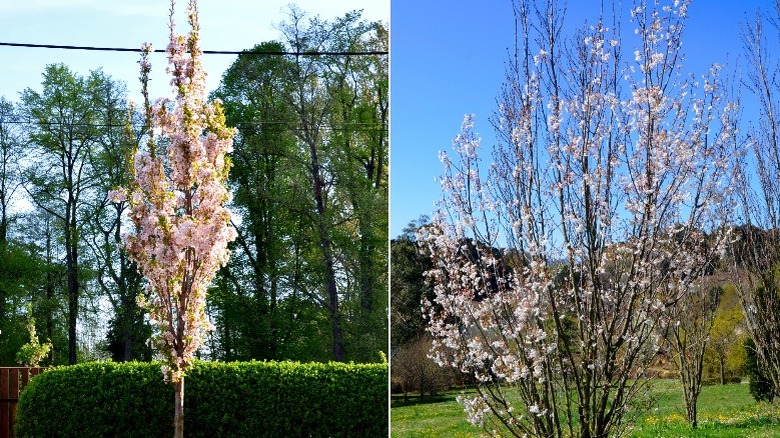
(177, 206)
(605, 189)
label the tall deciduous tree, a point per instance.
(726, 334)
(11, 156)
(310, 184)
(603, 187)
(177, 202)
(67, 117)
(254, 91)
(115, 274)
(342, 200)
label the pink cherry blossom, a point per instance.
(177, 199)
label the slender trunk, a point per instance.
(178, 415)
(422, 385)
(126, 312)
(71, 265)
(49, 319)
(3, 222)
(327, 253)
(333, 296)
(691, 409)
(127, 328)
(721, 366)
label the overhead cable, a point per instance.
(205, 52)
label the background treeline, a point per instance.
(307, 279)
(713, 316)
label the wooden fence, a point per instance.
(12, 381)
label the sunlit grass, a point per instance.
(724, 411)
(443, 417)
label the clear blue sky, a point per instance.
(225, 25)
(448, 60)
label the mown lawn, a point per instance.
(724, 411)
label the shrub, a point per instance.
(221, 399)
(761, 387)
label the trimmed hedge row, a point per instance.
(240, 399)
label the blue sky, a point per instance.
(448, 61)
(225, 25)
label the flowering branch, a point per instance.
(182, 228)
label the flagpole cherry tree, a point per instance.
(177, 199)
(554, 267)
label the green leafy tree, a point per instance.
(253, 90)
(345, 200)
(725, 335)
(116, 276)
(310, 185)
(12, 153)
(23, 275)
(67, 115)
(408, 285)
(761, 387)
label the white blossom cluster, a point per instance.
(603, 206)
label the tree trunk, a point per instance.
(127, 328)
(327, 253)
(691, 410)
(49, 318)
(71, 263)
(721, 366)
(3, 222)
(178, 415)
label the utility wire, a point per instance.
(282, 126)
(205, 52)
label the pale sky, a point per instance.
(231, 25)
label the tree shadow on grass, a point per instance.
(414, 399)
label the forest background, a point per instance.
(307, 279)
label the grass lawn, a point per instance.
(724, 411)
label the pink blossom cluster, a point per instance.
(177, 199)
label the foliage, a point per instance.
(310, 185)
(59, 177)
(241, 399)
(116, 341)
(32, 352)
(408, 286)
(22, 279)
(761, 387)
(725, 351)
(556, 265)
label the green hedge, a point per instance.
(242, 399)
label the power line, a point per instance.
(205, 52)
(282, 126)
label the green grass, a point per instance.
(724, 411)
(442, 417)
